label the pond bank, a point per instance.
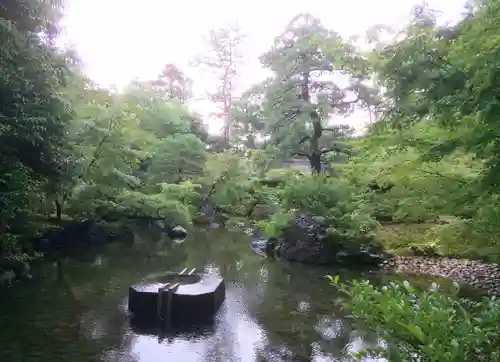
(60, 237)
(478, 274)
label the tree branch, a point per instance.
(97, 150)
(289, 116)
(436, 173)
(303, 139)
(302, 154)
(348, 103)
(336, 149)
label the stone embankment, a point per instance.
(478, 274)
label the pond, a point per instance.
(77, 310)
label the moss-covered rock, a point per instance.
(306, 240)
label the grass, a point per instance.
(436, 239)
(407, 239)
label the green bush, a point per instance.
(427, 325)
(342, 206)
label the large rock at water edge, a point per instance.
(305, 240)
(12, 269)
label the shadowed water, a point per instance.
(77, 310)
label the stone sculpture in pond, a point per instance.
(173, 299)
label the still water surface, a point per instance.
(274, 311)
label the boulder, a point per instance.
(271, 248)
(13, 269)
(177, 232)
(306, 240)
(258, 246)
(7, 277)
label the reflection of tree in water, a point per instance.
(41, 321)
(70, 310)
(293, 303)
(236, 332)
(108, 323)
(214, 251)
(300, 317)
(198, 251)
(229, 255)
(229, 252)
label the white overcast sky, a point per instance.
(119, 40)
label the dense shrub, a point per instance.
(424, 325)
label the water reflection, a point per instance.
(77, 310)
(178, 240)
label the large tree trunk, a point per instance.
(314, 150)
(315, 161)
(58, 209)
(250, 143)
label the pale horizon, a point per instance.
(119, 41)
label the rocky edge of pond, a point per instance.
(477, 274)
(70, 234)
(305, 240)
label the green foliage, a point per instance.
(248, 121)
(177, 158)
(70, 149)
(277, 176)
(455, 88)
(275, 225)
(227, 179)
(424, 325)
(32, 123)
(33, 112)
(34, 16)
(231, 184)
(436, 142)
(343, 207)
(136, 203)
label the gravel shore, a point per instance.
(475, 273)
